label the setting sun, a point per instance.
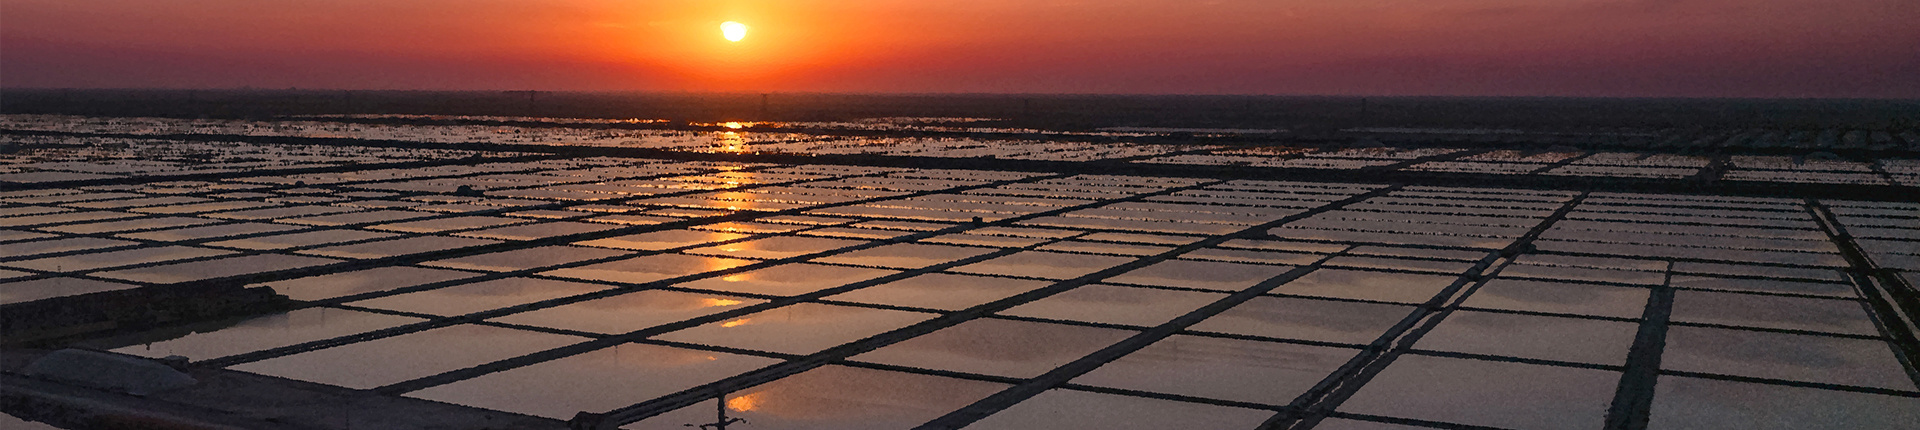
(733, 31)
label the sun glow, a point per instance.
(733, 31)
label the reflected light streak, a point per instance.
(714, 264)
(709, 303)
(736, 201)
(744, 403)
(732, 143)
(736, 323)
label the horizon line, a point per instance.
(952, 94)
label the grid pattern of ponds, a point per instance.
(759, 141)
(1701, 162)
(57, 159)
(837, 296)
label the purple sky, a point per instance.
(1690, 48)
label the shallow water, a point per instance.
(1019, 349)
(408, 356)
(1761, 323)
(1224, 369)
(802, 328)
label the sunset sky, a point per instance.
(1743, 48)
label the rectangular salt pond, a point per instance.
(225, 338)
(209, 232)
(396, 247)
(1018, 349)
(599, 380)
(839, 398)
(81, 262)
(479, 296)
(527, 259)
(787, 279)
(302, 239)
(216, 268)
(21, 290)
(630, 312)
(408, 356)
(797, 329)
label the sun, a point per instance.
(733, 31)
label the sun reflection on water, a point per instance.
(744, 403)
(732, 143)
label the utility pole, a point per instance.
(721, 422)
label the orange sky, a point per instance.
(1768, 48)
